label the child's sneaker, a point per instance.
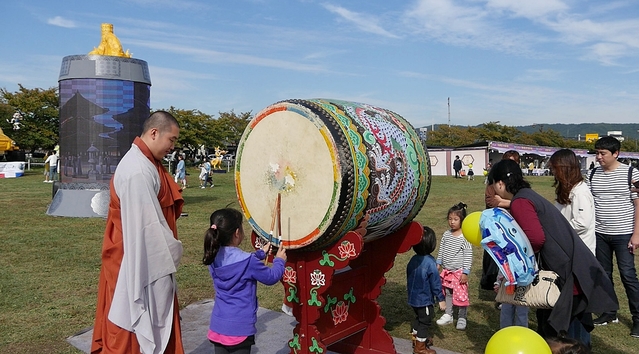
(461, 324)
(446, 319)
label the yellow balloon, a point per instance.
(517, 340)
(471, 229)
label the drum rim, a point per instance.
(327, 226)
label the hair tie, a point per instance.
(214, 227)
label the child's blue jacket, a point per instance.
(422, 281)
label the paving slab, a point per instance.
(274, 329)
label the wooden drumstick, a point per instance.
(270, 235)
(279, 217)
(289, 230)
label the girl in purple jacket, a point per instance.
(235, 275)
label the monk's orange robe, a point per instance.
(108, 337)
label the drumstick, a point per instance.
(270, 235)
(279, 217)
(289, 231)
(273, 216)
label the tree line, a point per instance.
(455, 136)
(40, 124)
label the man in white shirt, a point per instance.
(616, 223)
(53, 167)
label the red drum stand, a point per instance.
(333, 293)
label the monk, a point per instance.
(137, 310)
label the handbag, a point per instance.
(542, 293)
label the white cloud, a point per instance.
(470, 25)
(212, 56)
(607, 42)
(31, 71)
(606, 53)
(366, 23)
(61, 22)
(172, 4)
(528, 9)
(539, 75)
(526, 27)
(518, 103)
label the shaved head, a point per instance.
(160, 133)
(160, 120)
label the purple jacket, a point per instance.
(235, 275)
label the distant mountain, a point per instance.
(573, 131)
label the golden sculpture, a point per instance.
(110, 44)
(216, 162)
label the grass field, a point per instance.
(49, 268)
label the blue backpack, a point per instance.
(509, 247)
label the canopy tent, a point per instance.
(531, 149)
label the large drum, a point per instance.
(335, 166)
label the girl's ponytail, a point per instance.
(224, 224)
(459, 209)
(211, 245)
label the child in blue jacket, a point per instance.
(235, 275)
(424, 286)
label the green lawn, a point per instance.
(49, 268)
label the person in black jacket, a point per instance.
(585, 287)
(457, 166)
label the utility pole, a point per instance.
(449, 111)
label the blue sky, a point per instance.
(513, 61)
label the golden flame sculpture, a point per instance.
(110, 44)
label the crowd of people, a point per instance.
(205, 177)
(592, 219)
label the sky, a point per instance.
(509, 61)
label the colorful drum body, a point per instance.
(337, 167)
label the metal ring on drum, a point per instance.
(337, 166)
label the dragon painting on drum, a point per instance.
(337, 166)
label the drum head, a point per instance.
(290, 153)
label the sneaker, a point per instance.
(446, 319)
(635, 330)
(461, 324)
(605, 319)
(212, 185)
(202, 187)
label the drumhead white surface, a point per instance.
(288, 153)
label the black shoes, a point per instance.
(605, 319)
(634, 332)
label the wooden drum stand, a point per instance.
(333, 293)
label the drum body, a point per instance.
(337, 166)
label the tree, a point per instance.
(195, 128)
(40, 116)
(229, 127)
(451, 136)
(547, 137)
(493, 131)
